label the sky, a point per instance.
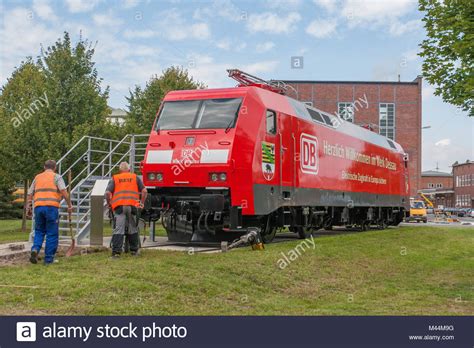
(338, 40)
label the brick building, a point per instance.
(390, 108)
(463, 174)
(438, 187)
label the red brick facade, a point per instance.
(438, 186)
(463, 174)
(406, 97)
(430, 182)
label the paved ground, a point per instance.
(463, 221)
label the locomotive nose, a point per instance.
(192, 158)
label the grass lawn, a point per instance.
(403, 271)
(10, 231)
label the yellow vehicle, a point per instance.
(18, 195)
(417, 212)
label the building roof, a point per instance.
(435, 173)
(414, 82)
(455, 164)
(117, 112)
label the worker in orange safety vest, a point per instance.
(123, 197)
(45, 194)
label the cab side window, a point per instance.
(271, 122)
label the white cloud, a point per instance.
(370, 14)
(228, 44)
(213, 73)
(174, 27)
(138, 34)
(283, 4)
(130, 3)
(427, 91)
(76, 6)
(264, 46)
(43, 9)
(443, 142)
(200, 30)
(322, 28)
(220, 8)
(375, 12)
(272, 23)
(224, 44)
(20, 36)
(328, 5)
(260, 67)
(107, 19)
(398, 28)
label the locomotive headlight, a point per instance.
(223, 177)
(151, 176)
(159, 177)
(214, 177)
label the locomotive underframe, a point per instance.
(205, 215)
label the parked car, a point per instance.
(472, 213)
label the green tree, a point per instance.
(143, 104)
(448, 50)
(47, 105)
(23, 103)
(78, 103)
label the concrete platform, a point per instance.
(12, 249)
(162, 243)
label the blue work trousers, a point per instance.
(46, 225)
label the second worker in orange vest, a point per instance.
(123, 196)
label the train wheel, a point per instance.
(364, 226)
(268, 236)
(268, 231)
(304, 232)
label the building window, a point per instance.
(387, 120)
(430, 185)
(346, 111)
(439, 185)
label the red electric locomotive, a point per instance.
(219, 161)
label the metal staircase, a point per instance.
(90, 159)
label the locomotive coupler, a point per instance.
(252, 238)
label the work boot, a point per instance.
(34, 257)
(134, 241)
(117, 243)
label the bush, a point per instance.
(8, 208)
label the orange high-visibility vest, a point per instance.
(46, 192)
(125, 191)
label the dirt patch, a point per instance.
(22, 257)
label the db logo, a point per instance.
(309, 154)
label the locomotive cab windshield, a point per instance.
(199, 114)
